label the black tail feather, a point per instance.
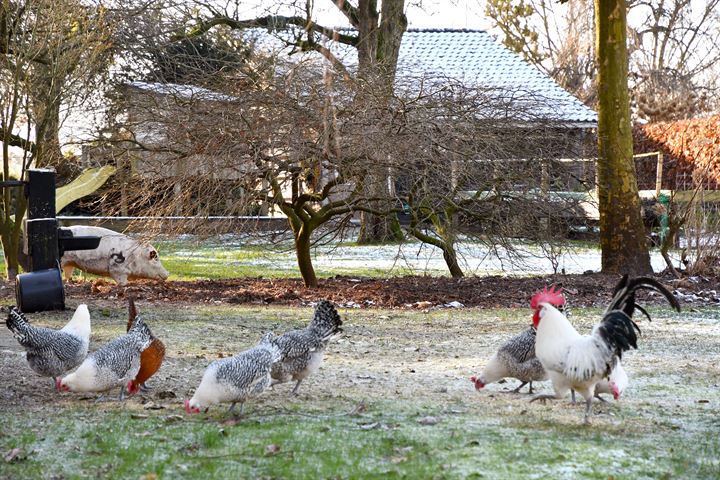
(132, 312)
(617, 327)
(644, 312)
(618, 331)
(624, 294)
(326, 319)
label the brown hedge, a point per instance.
(688, 145)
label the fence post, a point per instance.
(658, 175)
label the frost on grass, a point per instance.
(405, 374)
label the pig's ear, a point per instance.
(153, 254)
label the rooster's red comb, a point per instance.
(553, 296)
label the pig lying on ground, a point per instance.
(118, 256)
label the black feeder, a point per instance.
(42, 288)
(39, 291)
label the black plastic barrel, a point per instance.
(40, 291)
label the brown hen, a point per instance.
(150, 359)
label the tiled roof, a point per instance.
(475, 57)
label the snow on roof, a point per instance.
(181, 91)
(473, 57)
(470, 56)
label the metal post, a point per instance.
(41, 226)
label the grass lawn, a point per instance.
(392, 400)
(189, 258)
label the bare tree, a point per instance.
(481, 164)
(676, 53)
(673, 63)
(279, 144)
(377, 30)
(558, 39)
(53, 53)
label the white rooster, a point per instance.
(580, 362)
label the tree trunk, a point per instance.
(380, 34)
(302, 251)
(622, 234)
(46, 107)
(378, 229)
(450, 256)
(446, 242)
(446, 227)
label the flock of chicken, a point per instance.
(129, 360)
(550, 348)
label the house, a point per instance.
(469, 56)
(474, 57)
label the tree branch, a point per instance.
(17, 141)
(274, 22)
(350, 12)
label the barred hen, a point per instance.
(516, 358)
(302, 350)
(150, 359)
(236, 379)
(112, 365)
(49, 352)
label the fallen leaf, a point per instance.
(369, 426)
(272, 449)
(14, 454)
(230, 422)
(429, 420)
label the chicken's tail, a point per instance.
(142, 331)
(267, 342)
(326, 320)
(132, 312)
(18, 325)
(618, 331)
(617, 327)
(624, 295)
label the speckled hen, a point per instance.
(50, 352)
(516, 358)
(112, 365)
(236, 379)
(302, 350)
